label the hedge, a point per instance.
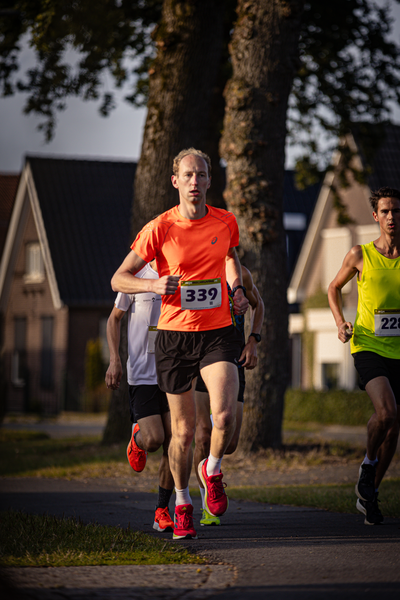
(334, 407)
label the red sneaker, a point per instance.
(183, 527)
(215, 499)
(136, 456)
(162, 520)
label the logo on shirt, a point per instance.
(214, 240)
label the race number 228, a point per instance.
(387, 323)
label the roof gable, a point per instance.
(385, 172)
(81, 210)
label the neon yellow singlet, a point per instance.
(377, 324)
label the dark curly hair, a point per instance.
(383, 192)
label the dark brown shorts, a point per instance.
(181, 354)
(370, 365)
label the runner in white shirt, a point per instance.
(148, 404)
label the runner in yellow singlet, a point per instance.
(375, 341)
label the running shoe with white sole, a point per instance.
(183, 523)
(215, 499)
(373, 515)
(365, 486)
(162, 520)
(208, 519)
(136, 456)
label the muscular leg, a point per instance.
(387, 450)
(235, 437)
(183, 423)
(203, 430)
(164, 472)
(384, 417)
(151, 434)
(222, 382)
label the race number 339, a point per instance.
(200, 295)
(387, 322)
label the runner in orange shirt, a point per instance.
(192, 243)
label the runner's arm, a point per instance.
(114, 371)
(352, 264)
(249, 353)
(124, 279)
(234, 278)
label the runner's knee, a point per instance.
(225, 419)
(152, 439)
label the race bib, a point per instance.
(200, 295)
(151, 338)
(387, 322)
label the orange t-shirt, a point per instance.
(196, 250)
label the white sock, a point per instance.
(202, 494)
(213, 465)
(367, 461)
(182, 496)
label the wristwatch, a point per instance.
(239, 287)
(256, 336)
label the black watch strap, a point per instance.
(256, 336)
(239, 287)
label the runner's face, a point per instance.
(388, 216)
(192, 181)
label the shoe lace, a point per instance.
(185, 521)
(216, 489)
(163, 513)
(367, 476)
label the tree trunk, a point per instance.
(189, 39)
(182, 98)
(264, 58)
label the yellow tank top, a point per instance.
(377, 324)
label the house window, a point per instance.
(336, 244)
(330, 376)
(18, 362)
(34, 269)
(47, 358)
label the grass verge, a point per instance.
(46, 541)
(332, 497)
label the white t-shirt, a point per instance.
(144, 311)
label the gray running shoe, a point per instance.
(365, 486)
(373, 515)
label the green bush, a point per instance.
(337, 407)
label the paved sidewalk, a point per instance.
(260, 551)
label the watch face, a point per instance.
(257, 336)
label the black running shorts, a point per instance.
(181, 354)
(146, 401)
(201, 386)
(370, 365)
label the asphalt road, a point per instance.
(260, 551)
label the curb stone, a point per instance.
(138, 582)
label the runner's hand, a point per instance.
(166, 285)
(345, 331)
(240, 303)
(249, 355)
(113, 375)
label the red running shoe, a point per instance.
(136, 456)
(162, 520)
(183, 527)
(215, 499)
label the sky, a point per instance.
(82, 133)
